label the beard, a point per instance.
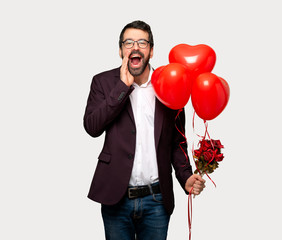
(144, 63)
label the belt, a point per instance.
(142, 191)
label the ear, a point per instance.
(151, 52)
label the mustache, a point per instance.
(136, 52)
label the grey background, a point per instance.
(49, 52)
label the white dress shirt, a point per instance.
(145, 168)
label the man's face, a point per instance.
(138, 58)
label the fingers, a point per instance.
(197, 191)
(198, 185)
(199, 178)
(125, 75)
(196, 182)
(124, 66)
(125, 61)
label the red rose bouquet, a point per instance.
(208, 156)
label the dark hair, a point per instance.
(137, 25)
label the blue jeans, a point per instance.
(144, 218)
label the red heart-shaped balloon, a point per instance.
(172, 85)
(198, 59)
(210, 95)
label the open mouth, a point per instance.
(135, 60)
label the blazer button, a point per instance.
(121, 96)
(133, 132)
(130, 156)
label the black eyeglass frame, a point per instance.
(133, 42)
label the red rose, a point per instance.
(197, 153)
(217, 144)
(205, 145)
(208, 156)
(219, 157)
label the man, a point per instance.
(133, 179)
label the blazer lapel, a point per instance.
(129, 110)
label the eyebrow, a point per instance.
(136, 40)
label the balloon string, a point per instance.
(190, 212)
(207, 133)
(184, 142)
(203, 137)
(193, 151)
(187, 160)
(183, 135)
(193, 124)
(210, 179)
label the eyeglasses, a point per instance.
(142, 43)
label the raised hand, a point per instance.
(125, 75)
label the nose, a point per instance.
(135, 45)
